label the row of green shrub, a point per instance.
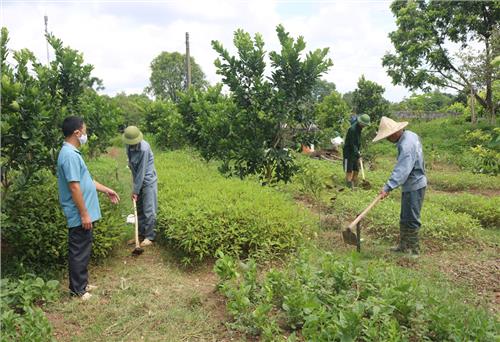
(22, 319)
(462, 181)
(34, 228)
(321, 297)
(485, 209)
(201, 211)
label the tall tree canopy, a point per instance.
(367, 99)
(268, 109)
(423, 56)
(168, 76)
(322, 88)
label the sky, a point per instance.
(121, 38)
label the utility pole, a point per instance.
(188, 63)
(46, 19)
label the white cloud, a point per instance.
(120, 40)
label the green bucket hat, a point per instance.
(364, 120)
(132, 135)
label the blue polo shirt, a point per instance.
(72, 168)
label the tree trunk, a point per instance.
(473, 118)
(489, 93)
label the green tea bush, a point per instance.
(21, 316)
(457, 181)
(34, 227)
(326, 298)
(201, 212)
(309, 179)
(484, 209)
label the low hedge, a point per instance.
(201, 212)
(485, 209)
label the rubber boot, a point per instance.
(413, 241)
(403, 240)
(350, 185)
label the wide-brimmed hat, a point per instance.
(132, 135)
(364, 119)
(388, 127)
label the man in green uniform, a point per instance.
(352, 146)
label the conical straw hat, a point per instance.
(387, 127)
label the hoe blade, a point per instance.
(349, 237)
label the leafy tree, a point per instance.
(333, 112)
(36, 98)
(194, 105)
(268, 108)
(428, 102)
(322, 88)
(368, 99)
(422, 59)
(168, 76)
(349, 99)
(165, 123)
(102, 117)
(206, 118)
(132, 108)
(22, 124)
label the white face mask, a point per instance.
(82, 139)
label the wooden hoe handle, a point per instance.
(137, 243)
(363, 214)
(362, 168)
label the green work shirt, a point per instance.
(352, 142)
(72, 168)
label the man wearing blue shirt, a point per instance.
(80, 204)
(409, 173)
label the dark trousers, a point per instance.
(79, 250)
(411, 204)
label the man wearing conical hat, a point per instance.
(145, 187)
(351, 151)
(409, 173)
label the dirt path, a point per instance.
(149, 298)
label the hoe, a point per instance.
(348, 235)
(365, 184)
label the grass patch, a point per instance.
(143, 298)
